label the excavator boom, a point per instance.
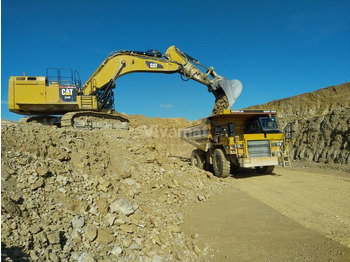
(120, 63)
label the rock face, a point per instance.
(324, 139)
(321, 123)
(98, 195)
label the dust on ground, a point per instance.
(242, 224)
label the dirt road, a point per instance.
(294, 214)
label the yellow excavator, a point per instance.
(60, 92)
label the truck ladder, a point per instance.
(286, 161)
(288, 139)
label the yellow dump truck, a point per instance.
(238, 138)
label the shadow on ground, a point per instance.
(249, 172)
(236, 174)
(13, 254)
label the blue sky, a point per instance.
(276, 48)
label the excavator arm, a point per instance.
(121, 63)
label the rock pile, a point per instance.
(221, 103)
(100, 195)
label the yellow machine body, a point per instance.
(31, 95)
(47, 95)
(242, 145)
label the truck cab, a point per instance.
(262, 124)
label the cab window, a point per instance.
(268, 124)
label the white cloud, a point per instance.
(166, 106)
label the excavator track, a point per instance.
(44, 120)
(92, 120)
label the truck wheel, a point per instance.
(220, 164)
(198, 159)
(265, 169)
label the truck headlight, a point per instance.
(277, 143)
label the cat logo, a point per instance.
(68, 94)
(67, 91)
(153, 65)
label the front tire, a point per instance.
(265, 169)
(198, 159)
(221, 165)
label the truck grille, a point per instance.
(259, 148)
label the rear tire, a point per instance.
(265, 169)
(221, 165)
(198, 159)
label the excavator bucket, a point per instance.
(220, 87)
(232, 89)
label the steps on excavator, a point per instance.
(86, 101)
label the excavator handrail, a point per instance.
(149, 52)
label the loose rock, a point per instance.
(124, 206)
(104, 236)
